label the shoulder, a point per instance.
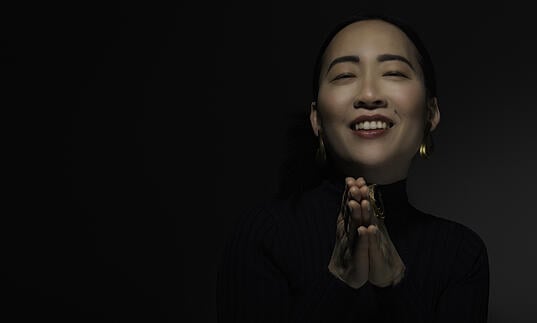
(277, 216)
(462, 245)
(259, 220)
(455, 231)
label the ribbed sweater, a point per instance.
(274, 265)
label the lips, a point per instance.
(375, 117)
(371, 126)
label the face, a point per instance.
(370, 71)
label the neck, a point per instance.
(383, 176)
(377, 174)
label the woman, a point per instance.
(343, 244)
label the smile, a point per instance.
(371, 125)
(371, 122)
(371, 133)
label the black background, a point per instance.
(139, 131)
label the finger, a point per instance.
(349, 181)
(380, 272)
(377, 252)
(356, 213)
(355, 193)
(364, 192)
(365, 207)
(361, 252)
(372, 217)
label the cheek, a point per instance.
(334, 103)
(410, 102)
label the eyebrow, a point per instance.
(393, 57)
(380, 58)
(343, 59)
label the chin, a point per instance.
(372, 159)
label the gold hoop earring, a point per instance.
(320, 155)
(426, 147)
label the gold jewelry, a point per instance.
(320, 155)
(423, 151)
(426, 146)
(377, 210)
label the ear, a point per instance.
(433, 113)
(315, 119)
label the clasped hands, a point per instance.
(363, 250)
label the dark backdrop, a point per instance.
(146, 129)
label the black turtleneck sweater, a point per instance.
(274, 266)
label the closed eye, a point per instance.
(395, 73)
(343, 76)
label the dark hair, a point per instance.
(424, 58)
(299, 171)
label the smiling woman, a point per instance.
(342, 243)
(371, 70)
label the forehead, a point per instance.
(371, 37)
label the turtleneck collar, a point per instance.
(394, 197)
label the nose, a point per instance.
(369, 96)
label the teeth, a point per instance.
(368, 125)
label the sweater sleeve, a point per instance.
(252, 287)
(465, 299)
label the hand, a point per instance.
(363, 250)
